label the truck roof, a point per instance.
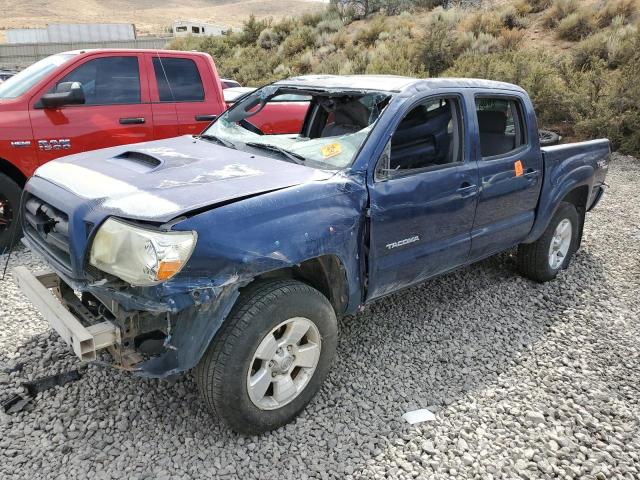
(392, 83)
(130, 50)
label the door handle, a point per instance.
(532, 175)
(131, 120)
(467, 190)
(205, 118)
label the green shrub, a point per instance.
(429, 4)
(533, 70)
(368, 34)
(395, 57)
(560, 10)
(510, 39)
(185, 43)
(299, 40)
(576, 26)
(251, 31)
(614, 45)
(329, 25)
(618, 109)
(539, 5)
(479, 44)
(269, 38)
(482, 22)
(439, 46)
(610, 9)
(511, 18)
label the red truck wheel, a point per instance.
(9, 205)
(270, 357)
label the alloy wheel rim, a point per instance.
(560, 243)
(6, 213)
(284, 363)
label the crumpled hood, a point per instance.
(158, 181)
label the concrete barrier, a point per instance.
(24, 54)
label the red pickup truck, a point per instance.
(78, 101)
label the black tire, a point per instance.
(547, 137)
(222, 372)
(533, 258)
(10, 194)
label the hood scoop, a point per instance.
(139, 162)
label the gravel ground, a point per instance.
(527, 380)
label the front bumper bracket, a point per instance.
(86, 341)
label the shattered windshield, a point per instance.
(319, 128)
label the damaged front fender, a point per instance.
(237, 243)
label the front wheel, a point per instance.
(270, 357)
(543, 259)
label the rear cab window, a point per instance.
(501, 126)
(178, 80)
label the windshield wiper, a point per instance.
(294, 157)
(221, 141)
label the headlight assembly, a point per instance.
(140, 256)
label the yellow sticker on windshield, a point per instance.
(331, 150)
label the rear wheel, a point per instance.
(270, 357)
(10, 194)
(552, 252)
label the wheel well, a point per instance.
(13, 172)
(326, 274)
(578, 197)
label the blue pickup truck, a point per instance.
(233, 252)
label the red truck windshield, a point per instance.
(23, 81)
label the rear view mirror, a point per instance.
(66, 93)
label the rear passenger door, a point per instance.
(180, 104)
(423, 197)
(510, 171)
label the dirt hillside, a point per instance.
(149, 16)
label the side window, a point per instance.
(178, 80)
(501, 126)
(108, 80)
(429, 136)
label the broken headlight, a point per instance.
(140, 256)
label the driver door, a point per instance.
(423, 197)
(116, 109)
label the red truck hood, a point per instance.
(161, 180)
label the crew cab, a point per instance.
(235, 251)
(85, 100)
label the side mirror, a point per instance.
(67, 93)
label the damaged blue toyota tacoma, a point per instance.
(233, 252)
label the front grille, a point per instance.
(48, 227)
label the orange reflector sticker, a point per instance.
(168, 269)
(518, 168)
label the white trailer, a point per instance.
(183, 28)
(73, 33)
